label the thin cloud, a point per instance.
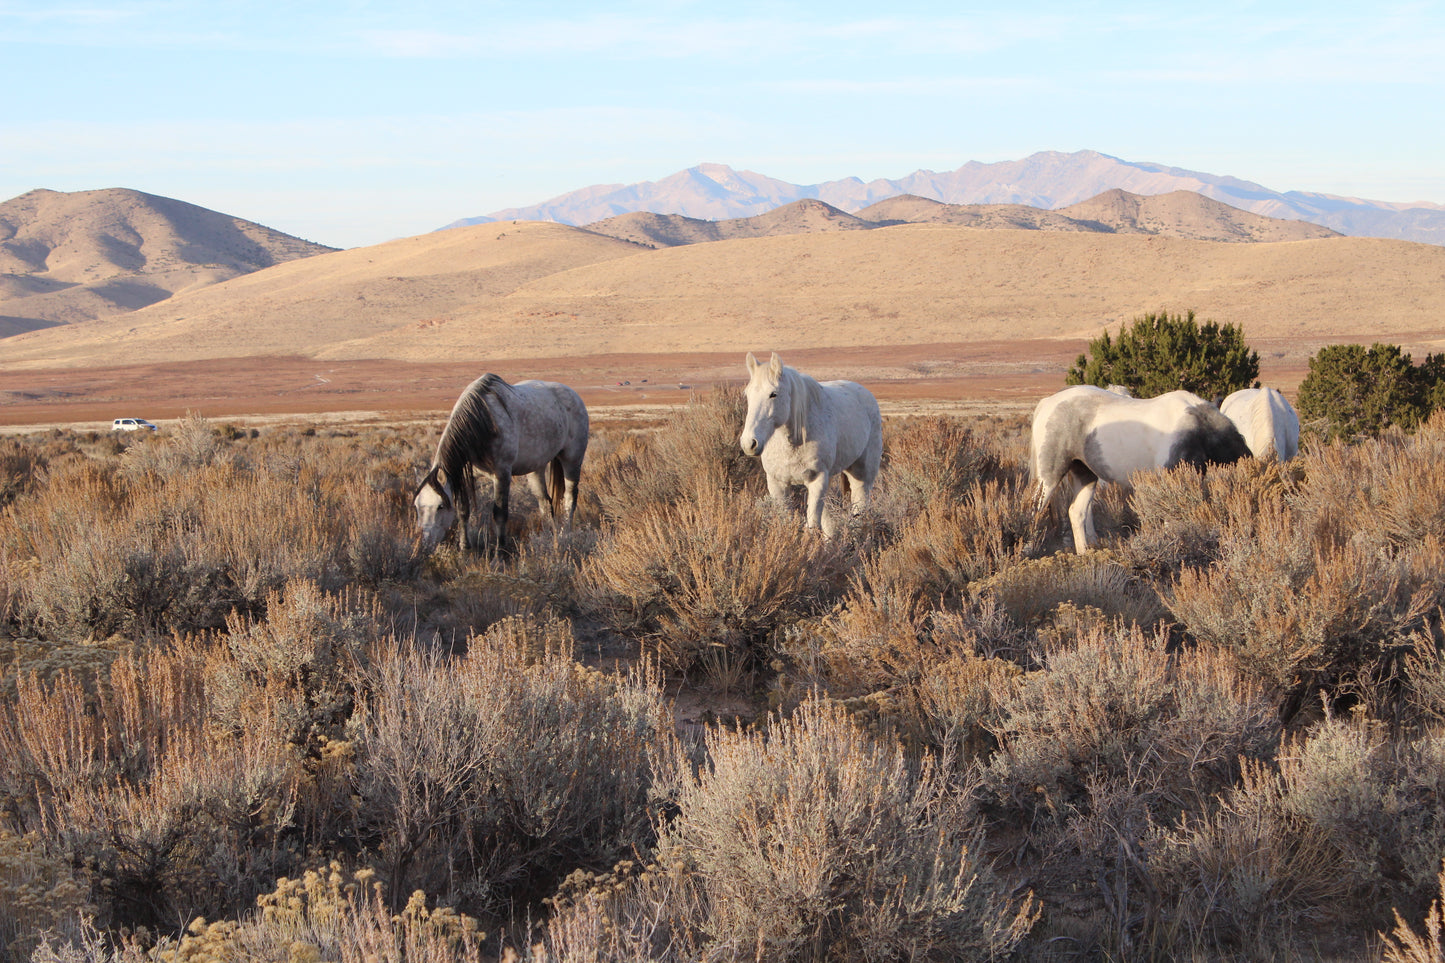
(905, 86)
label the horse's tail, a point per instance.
(556, 485)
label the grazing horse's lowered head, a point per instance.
(777, 397)
(436, 512)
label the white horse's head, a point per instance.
(770, 403)
(435, 513)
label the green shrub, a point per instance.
(1160, 352)
(1354, 391)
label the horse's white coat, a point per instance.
(541, 427)
(1096, 435)
(1267, 421)
(805, 432)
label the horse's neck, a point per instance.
(469, 435)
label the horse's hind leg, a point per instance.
(1081, 511)
(862, 474)
(538, 482)
(571, 476)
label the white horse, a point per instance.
(806, 432)
(1094, 435)
(1267, 421)
(532, 428)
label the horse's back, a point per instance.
(1267, 421)
(551, 421)
(850, 399)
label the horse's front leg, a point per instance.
(464, 517)
(499, 507)
(777, 491)
(817, 485)
(464, 509)
(539, 481)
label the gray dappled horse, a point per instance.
(533, 428)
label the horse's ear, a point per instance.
(775, 368)
(752, 364)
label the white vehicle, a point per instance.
(132, 424)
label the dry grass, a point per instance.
(812, 841)
(708, 582)
(223, 661)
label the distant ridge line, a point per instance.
(1048, 181)
(1177, 214)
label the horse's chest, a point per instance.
(792, 465)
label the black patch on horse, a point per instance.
(1211, 439)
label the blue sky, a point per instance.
(352, 123)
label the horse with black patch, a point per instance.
(1093, 435)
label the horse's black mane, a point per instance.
(470, 434)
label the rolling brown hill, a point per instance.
(672, 230)
(544, 290)
(1187, 214)
(330, 300)
(74, 257)
(1048, 179)
(911, 209)
(1177, 214)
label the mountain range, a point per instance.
(1047, 180)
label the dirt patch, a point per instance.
(238, 388)
(980, 376)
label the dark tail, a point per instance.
(557, 485)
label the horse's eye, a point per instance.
(773, 395)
